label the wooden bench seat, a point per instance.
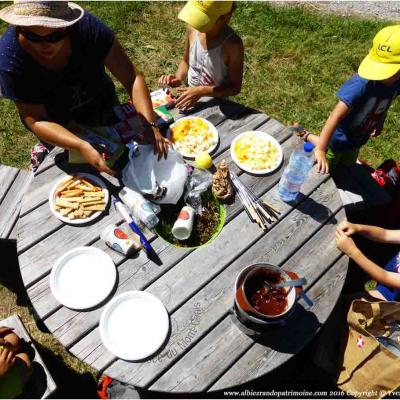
(41, 384)
(13, 184)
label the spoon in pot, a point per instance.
(295, 282)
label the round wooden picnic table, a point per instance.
(206, 350)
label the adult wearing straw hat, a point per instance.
(53, 61)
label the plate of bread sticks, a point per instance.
(78, 199)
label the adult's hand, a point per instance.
(189, 97)
(170, 80)
(94, 158)
(160, 143)
(322, 163)
(7, 359)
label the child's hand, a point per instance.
(6, 360)
(189, 97)
(347, 228)
(169, 80)
(345, 243)
(322, 164)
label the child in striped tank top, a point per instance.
(213, 58)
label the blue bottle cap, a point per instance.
(308, 147)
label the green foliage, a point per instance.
(295, 61)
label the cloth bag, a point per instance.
(161, 181)
(369, 367)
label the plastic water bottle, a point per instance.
(296, 172)
(140, 208)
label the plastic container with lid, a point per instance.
(119, 240)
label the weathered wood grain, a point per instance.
(196, 286)
(44, 308)
(10, 204)
(7, 177)
(58, 154)
(216, 298)
(67, 324)
(205, 361)
(190, 373)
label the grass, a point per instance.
(294, 63)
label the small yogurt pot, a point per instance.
(183, 226)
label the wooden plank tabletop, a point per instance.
(206, 350)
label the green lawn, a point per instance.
(295, 61)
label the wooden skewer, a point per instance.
(250, 206)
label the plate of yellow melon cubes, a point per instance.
(193, 135)
(256, 152)
(78, 199)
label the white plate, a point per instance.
(211, 127)
(83, 277)
(134, 325)
(91, 178)
(260, 171)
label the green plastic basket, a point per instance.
(222, 218)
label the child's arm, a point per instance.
(347, 246)
(339, 112)
(234, 62)
(373, 233)
(182, 71)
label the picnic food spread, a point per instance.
(192, 220)
(256, 152)
(78, 198)
(193, 135)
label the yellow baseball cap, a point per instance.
(383, 60)
(202, 15)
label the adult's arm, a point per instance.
(119, 64)
(36, 118)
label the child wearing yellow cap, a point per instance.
(363, 103)
(213, 58)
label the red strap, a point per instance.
(102, 387)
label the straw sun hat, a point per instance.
(50, 14)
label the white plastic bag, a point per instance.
(161, 181)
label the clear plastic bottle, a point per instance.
(296, 172)
(140, 208)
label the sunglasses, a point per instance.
(54, 37)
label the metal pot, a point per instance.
(244, 308)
